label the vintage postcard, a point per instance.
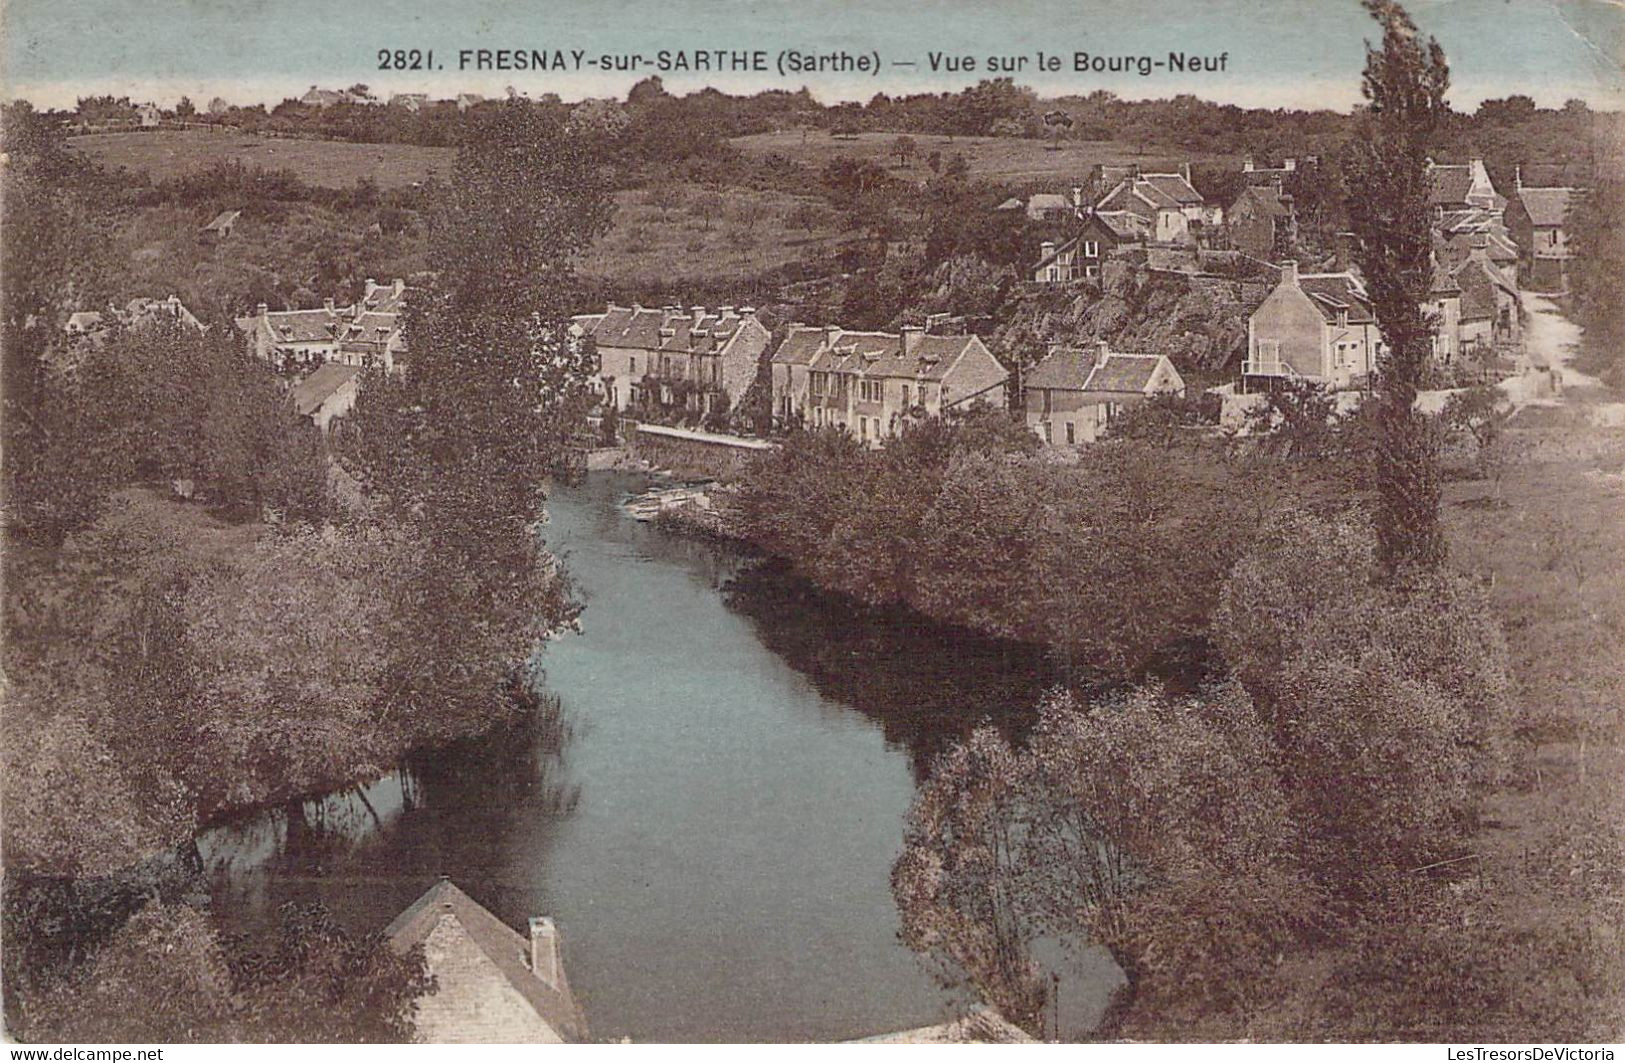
(719, 521)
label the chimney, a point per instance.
(263, 311)
(1077, 197)
(698, 312)
(400, 286)
(725, 310)
(1103, 350)
(830, 332)
(1289, 165)
(1185, 171)
(1517, 177)
(1289, 272)
(747, 311)
(371, 284)
(1133, 172)
(1246, 166)
(545, 960)
(1046, 249)
(327, 304)
(911, 338)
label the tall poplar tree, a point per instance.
(1387, 185)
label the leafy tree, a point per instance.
(1597, 275)
(461, 448)
(1404, 83)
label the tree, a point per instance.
(904, 148)
(185, 108)
(707, 206)
(461, 448)
(1387, 181)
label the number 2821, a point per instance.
(405, 59)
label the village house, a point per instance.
(1538, 221)
(1171, 209)
(1457, 232)
(1075, 393)
(687, 356)
(1317, 327)
(148, 115)
(1254, 174)
(413, 102)
(465, 100)
(1081, 256)
(1262, 222)
(220, 228)
(1464, 186)
(492, 985)
(1489, 301)
(368, 334)
(872, 383)
(137, 313)
(1443, 305)
(1041, 207)
(316, 97)
(326, 394)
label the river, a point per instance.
(715, 838)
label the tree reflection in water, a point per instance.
(926, 684)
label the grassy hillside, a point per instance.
(326, 163)
(666, 236)
(1005, 159)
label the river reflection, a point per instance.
(716, 838)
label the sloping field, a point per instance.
(996, 158)
(328, 163)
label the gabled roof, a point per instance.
(302, 326)
(1265, 199)
(222, 221)
(1048, 201)
(84, 320)
(1449, 184)
(1479, 278)
(1547, 207)
(1334, 292)
(505, 947)
(1076, 369)
(1174, 186)
(1123, 223)
(648, 329)
(873, 354)
(1013, 203)
(309, 394)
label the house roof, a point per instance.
(649, 329)
(84, 319)
(1333, 292)
(224, 220)
(1013, 203)
(1478, 279)
(1265, 199)
(505, 947)
(1174, 186)
(873, 354)
(1044, 201)
(309, 394)
(1547, 207)
(1449, 184)
(1076, 369)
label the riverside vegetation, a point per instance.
(302, 622)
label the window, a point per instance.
(1091, 249)
(863, 427)
(632, 364)
(1046, 432)
(905, 396)
(1071, 433)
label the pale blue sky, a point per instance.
(1281, 53)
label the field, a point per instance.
(667, 236)
(326, 163)
(1006, 159)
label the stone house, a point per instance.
(1489, 302)
(1261, 220)
(1538, 221)
(1315, 326)
(328, 393)
(872, 383)
(368, 333)
(1172, 210)
(1082, 256)
(492, 984)
(1074, 393)
(1444, 305)
(649, 355)
(1462, 186)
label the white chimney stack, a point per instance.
(1289, 271)
(545, 960)
(1103, 351)
(911, 338)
